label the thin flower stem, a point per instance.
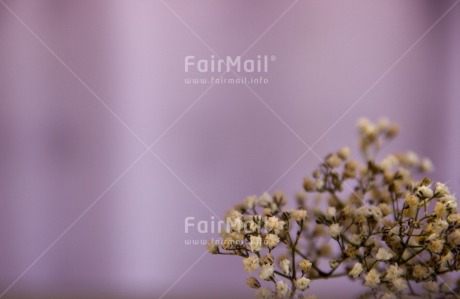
(283, 275)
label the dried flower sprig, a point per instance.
(379, 226)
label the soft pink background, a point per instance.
(61, 147)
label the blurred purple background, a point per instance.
(85, 86)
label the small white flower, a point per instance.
(255, 243)
(250, 202)
(355, 239)
(264, 293)
(267, 259)
(395, 230)
(412, 201)
(383, 254)
(236, 224)
(282, 289)
(285, 265)
(393, 272)
(441, 190)
(436, 245)
(233, 214)
(265, 200)
(453, 218)
(385, 209)
(382, 124)
(280, 227)
(451, 206)
(426, 165)
(299, 215)
(334, 161)
(266, 272)
(319, 185)
(356, 271)
(399, 284)
(364, 211)
(454, 237)
(334, 264)
(251, 263)
(447, 259)
(376, 213)
(334, 230)
(412, 158)
(420, 271)
(344, 153)
(272, 223)
(389, 162)
(271, 240)
(372, 243)
(439, 226)
(251, 226)
(253, 283)
(308, 184)
(305, 265)
(365, 126)
(330, 213)
(302, 283)
(425, 192)
(372, 279)
(447, 198)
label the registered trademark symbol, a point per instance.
(273, 58)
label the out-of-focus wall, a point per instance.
(85, 86)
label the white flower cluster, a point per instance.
(389, 232)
